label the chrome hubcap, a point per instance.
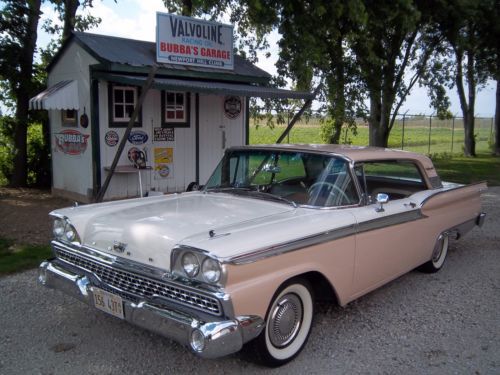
(438, 250)
(285, 321)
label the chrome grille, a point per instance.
(141, 286)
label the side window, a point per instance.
(69, 117)
(175, 109)
(122, 101)
(398, 179)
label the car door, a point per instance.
(390, 240)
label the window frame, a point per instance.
(175, 123)
(122, 122)
(68, 121)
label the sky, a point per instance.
(136, 19)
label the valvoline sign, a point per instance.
(71, 141)
(189, 41)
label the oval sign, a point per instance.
(137, 137)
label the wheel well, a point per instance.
(323, 290)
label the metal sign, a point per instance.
(138, 137)
(71, 142)
(188, 41)
(232, 106)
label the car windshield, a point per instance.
(299, 178)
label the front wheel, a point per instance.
(288, 324)
(438, 255)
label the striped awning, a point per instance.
(62, 95)
(209, 87)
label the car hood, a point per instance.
(149, 228)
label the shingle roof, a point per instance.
(138, 53)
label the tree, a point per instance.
(462, 25)
(314, 47)
(392, 42)
(18, 30)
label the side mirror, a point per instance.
(381, 200)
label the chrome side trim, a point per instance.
(390, 220)
(286, 247)
(451, 189)
(331, 235)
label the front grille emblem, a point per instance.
(119, 247)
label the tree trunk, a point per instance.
(378, 123)
(70, 8)
(496, 149)
(336, 90)
(23, 93)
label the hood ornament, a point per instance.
(119, 247)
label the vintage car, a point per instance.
(243, 259)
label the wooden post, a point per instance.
(296, 117)
(145, 88)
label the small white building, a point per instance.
(189, 117)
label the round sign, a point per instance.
(111, 138)
(232, 106)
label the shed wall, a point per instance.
(72, 174)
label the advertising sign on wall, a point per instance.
(164, 159)
(188, 41)
(71, 142)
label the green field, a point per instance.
(447, 155)
(416, 136)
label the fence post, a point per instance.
(491, 130)
(288, 121)
(403, 133)
(430, 130)
(452, 133)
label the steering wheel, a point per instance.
(334, 190)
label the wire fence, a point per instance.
(420, 133)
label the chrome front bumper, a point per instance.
(219, 337)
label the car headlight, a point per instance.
(190, 264)
(64, 231)
(211, 270)
(58, 228)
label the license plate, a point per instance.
(108, 302)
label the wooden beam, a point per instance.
(297, 116)
(145, 88)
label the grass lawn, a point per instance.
(465, 170)
(451, 164)
(15, 258)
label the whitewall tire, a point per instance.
(288, 324)
(438, 256)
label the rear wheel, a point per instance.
(288, 324)
(438, 255)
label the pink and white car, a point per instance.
(243, 259)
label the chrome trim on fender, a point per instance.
(331, 235)
(282, 248)
(390, 220)
(447, 189)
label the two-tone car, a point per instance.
(276, 227)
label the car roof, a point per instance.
(353, 153)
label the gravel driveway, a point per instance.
(446, 323)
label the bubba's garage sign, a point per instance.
(188, 41)
(71, 142)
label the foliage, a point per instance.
(465, 60)
(15, 258)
